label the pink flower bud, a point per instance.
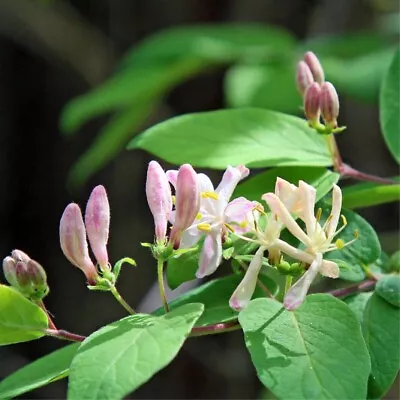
(158, 193)
(315, 66)
(73, 241)
(25, 275)
(97, 222)
(311, 102)
(187, 202)
(329, 102)
(304, 77)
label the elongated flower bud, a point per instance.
(73, 241)
(158, 193)
(304, 77)
(97, 222)
(243, 293)
(315, 66)
(311, 103)
(329, 103)
(187, 202)
(25, 275)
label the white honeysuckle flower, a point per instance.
(216, 216)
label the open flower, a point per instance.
(267, 239)
(317, 239)
(216, 216)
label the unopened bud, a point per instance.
(312, 102)
(25, 275)
(73, 242)
(329, 103)
(97, 222)
(159, 198)
(187, 202)
(315, 66)
(304, 77)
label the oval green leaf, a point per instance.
(120, 357)
(388, 287)
(249, 136)
(390, 106)
(315, 352)
(20, 319)
(382, 335)
(39, 373)
(215, 296)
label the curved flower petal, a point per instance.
(232, 176)
(329, 269)
(239, 213)
(244, 292)
(278, 208)
(172, 176)
(211, 256)
(335, 213)
(298, 292)
(307, 194)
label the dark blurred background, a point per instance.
(52, 51)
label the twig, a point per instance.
(215, 329)
(65, 335)
(346, 291)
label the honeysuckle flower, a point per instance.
(216, 216)
(159, 198)
(187, 202)
(329, 103)
(315, 66)
(317, 239)
(73, 242)
(304, 77)
(97, 222)
(267, 239)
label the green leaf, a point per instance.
(315, 352)
(213, 43)
(121, 356)
(240, 136)
(357, 304)
(382, 335)
(389, 107)
(254, 187)
(360, 77)
(39, 373)
(369, 194)
(388, 287)
(364, 251)
(215, 296)
(20, 319)
(111, 139)
(128, 88)
(265, 86)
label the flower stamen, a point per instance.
(210, 195)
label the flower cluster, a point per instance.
(319, 97)
(198, 211)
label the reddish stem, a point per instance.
(61, 334)
(346, 171)
(346, 291)
(52, 325)
(214, 329)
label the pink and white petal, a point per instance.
(172, 176)
(205, 183)
(239, 213)
(232, 176)
(190, 237)
(211, 256)
(335, 213)
(298, 292)
(329, 269)
(244, 292)
(285, 190)
(307, 194)
(278, 208)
